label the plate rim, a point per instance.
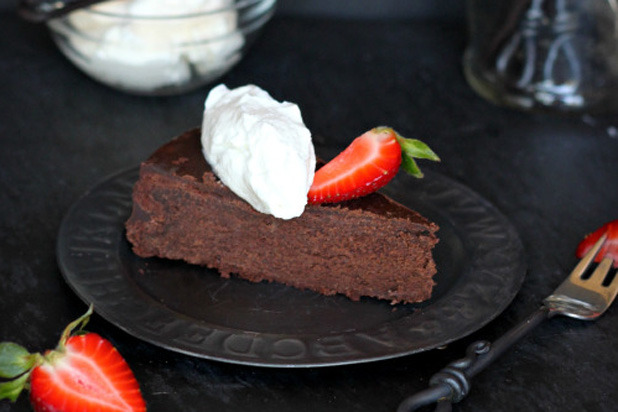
(288, 346)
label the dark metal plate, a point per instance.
(192, 310)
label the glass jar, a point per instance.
(559, 54)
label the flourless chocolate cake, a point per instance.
(370, 246)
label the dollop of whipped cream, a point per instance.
(259, 148)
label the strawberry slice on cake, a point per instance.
(367, 164)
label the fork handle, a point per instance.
(452, 383)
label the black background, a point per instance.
(554, 176)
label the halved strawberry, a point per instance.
(84, 373)
(609, 248)
(366, 165)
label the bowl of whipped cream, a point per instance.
(160, 47)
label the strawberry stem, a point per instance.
(78, 324)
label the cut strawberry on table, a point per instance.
(84, 373)
(609, 248)
(366, 165)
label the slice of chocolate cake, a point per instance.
(370, 246)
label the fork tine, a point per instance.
(612, 288)
(598, 276)
(585, 262)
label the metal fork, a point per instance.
(580, 296)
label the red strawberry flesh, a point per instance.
(366, 165)
(89, 375)
(610, 246)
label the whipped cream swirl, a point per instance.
(259, 148)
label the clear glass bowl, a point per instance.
(140, 49)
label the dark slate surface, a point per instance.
(553, 176)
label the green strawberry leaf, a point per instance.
(11, 389)
(14, 360)
(409, 165)
(414, 149)
(417, 149)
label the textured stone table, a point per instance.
(554, 177)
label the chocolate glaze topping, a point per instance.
(183, 157)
